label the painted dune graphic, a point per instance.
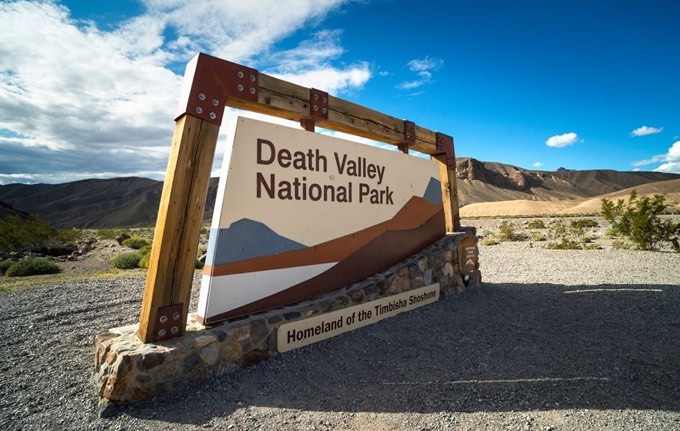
(352, 257)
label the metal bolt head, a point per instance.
(316, 108)
(175, 316)
(201, 96)
(252, 90)
(240, 74)
(252, 78)
(316, 97)
(325, 99)
(213, 115)
(174, 330)
(161, 333)
(199, 110)
(324, 110)
(216, 102)
(163, 318)
(240, 87)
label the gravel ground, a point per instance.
(553, 340)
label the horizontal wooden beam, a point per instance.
(210, 85)
(229, 84)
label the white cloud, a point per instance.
(645, 130)
(236, 30)
(331, 80)
(670, 161)
(425, 64)
(560, 141)
(77, 101)
(655, 159)
(423, 69)
(537, 165)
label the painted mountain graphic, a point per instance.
(433, 192)
(358, 255)
(246, 239)
(413, 214)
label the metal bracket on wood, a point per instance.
(318, 104)
(444, 144)
(169, 322)
(209, 82)
(409, 136)
(308, 124)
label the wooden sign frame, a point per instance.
(211, 84)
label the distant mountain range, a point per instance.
(132, 201)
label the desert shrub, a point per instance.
(586, 223)
(199, 264)
(557, 228)
(621, 245)
(506, 232)
(488, 241)
(128, 260)
(4, 265)
(536, 224)
(564, 244)
(135, 242)
(537, 236)
(34, 266)
(18, 234)
(486, 232)
(112, 233)
(145, 255)
(638, 220)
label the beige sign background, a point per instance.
(293, 206)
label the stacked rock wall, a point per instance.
(128, 370)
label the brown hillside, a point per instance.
(127, 202)
(670, 189)
(492, 182)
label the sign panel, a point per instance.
(307, 331)
(468, 255)
(299, 214)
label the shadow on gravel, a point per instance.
(499, 347)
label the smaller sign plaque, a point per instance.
(307, 331)
(468, 255)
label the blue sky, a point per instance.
(88, 89)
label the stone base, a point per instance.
(128, 370)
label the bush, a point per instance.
(585, 223)
(537, 236)
(111, 233)
(129, 260)
(564, 244)
(34, 266)
(557, 228)
(507, 232)
(536, 224)
(145, 254)
(621, 245)
(136, 242)
(18, 234)
(4, 265)
(638, 220)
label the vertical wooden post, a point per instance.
(173, 253)
(447, 177)
(210, 84)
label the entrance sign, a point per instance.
(299, 214)
(307, 331)
(210, 85)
